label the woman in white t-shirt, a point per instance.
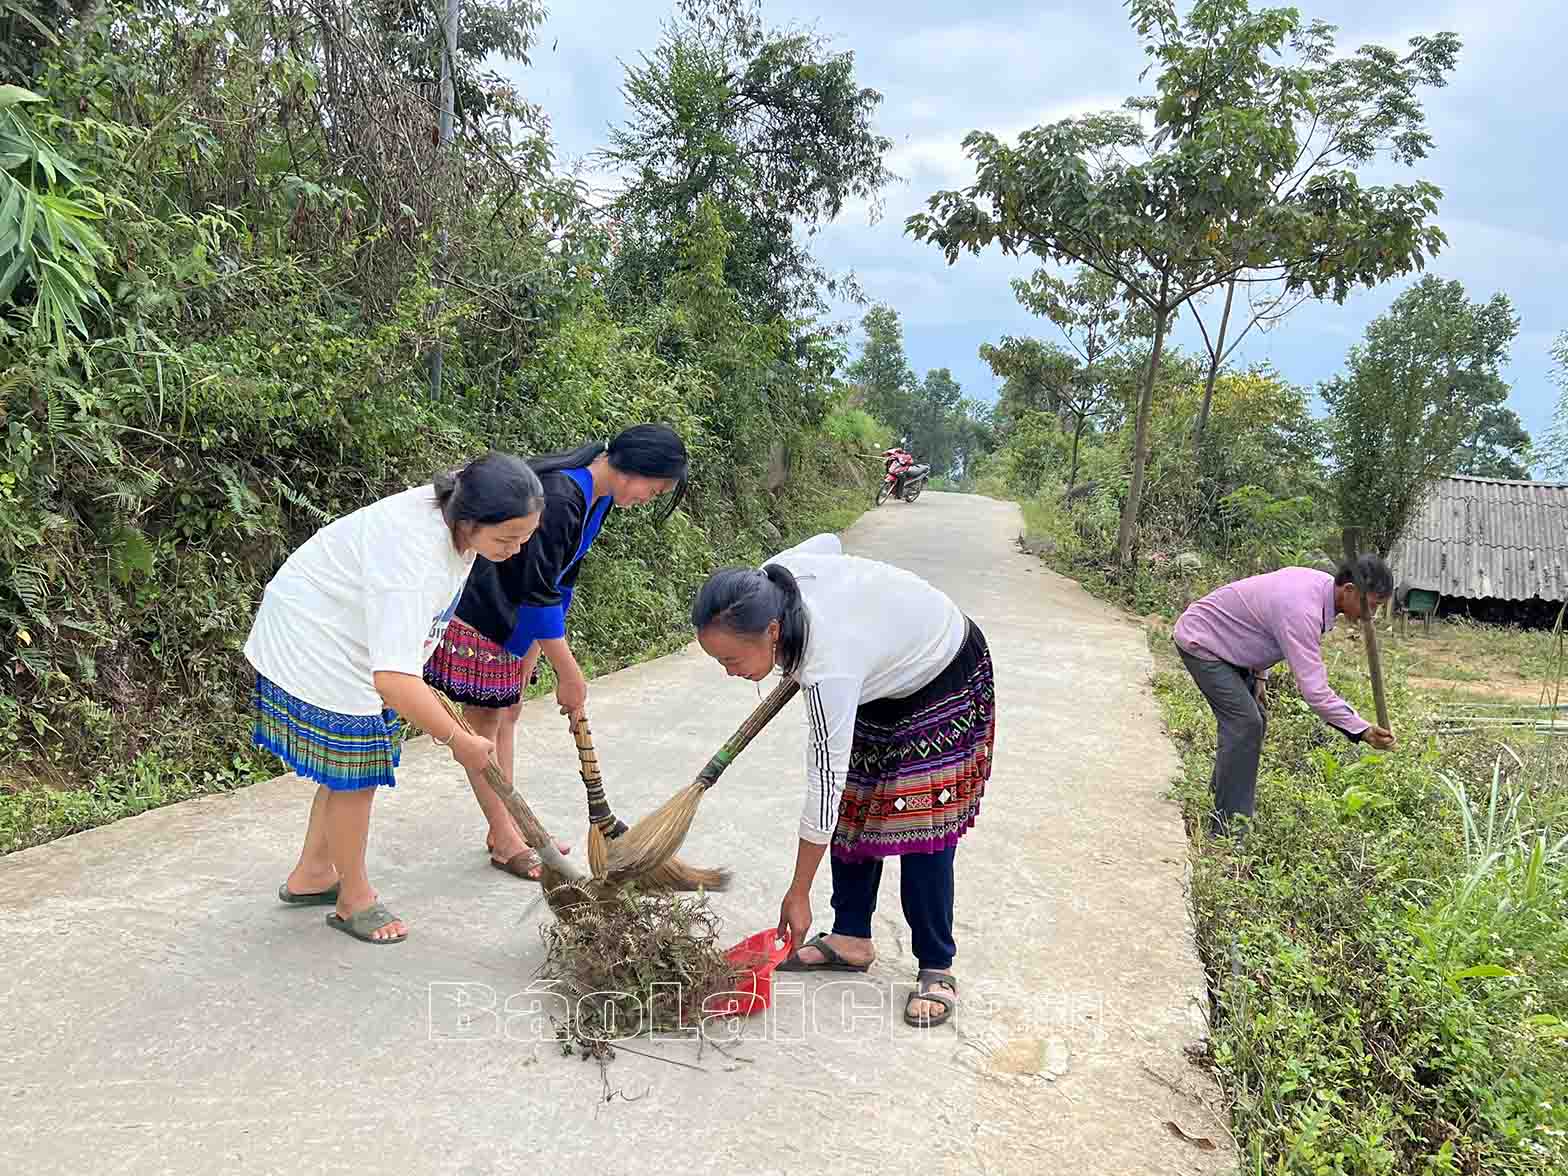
(339, 645)
(900, 726)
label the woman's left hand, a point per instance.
(571, 692)
(795, 916)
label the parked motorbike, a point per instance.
(906, 485)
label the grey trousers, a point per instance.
(1242, 724)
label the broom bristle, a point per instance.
(652, 841)
(677, 875)
(598, 854)
(652, 851)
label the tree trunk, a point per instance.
(1140, 443)
(1072, 474)
(1216, 357)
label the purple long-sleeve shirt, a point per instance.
(1258, 622)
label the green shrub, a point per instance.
(858, 430)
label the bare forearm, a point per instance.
(559, 655)
(416, 702)
(808, 857)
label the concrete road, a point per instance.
(163, 1013)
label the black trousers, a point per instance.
(1242, 725)
(926, 886)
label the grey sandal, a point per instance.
(325, 897)
(363, 924)
(831, 961)
(926, 982)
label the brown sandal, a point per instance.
(561, 847)
(524, 864)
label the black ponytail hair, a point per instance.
(746, 600)
(650, 451)
(488, 490)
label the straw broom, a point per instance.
(648, 846)
(564, 887)
(604, 828)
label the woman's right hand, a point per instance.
(472, 751)
(1379, 738)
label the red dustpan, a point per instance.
(754, 959)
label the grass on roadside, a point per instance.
(1482, 660)
(1389, 951)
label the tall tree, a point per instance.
(1097, 323)
(936, 421)
(1554, 452)
(1498, 447)
(1364, 108)
(882, 371)
(975, 435)
(1034, 375)
(1418, 386)
(1173, 214)
(771, 124)
(931, 416)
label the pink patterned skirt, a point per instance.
(470, 668)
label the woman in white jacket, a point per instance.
(900, 713)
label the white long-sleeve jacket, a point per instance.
(875, 631)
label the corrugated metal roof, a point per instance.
(1479, 538)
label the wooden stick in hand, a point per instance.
(1368, 633)
(533, 830)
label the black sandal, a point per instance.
(926, 982)
(831, 961)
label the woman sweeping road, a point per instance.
(513, 610)
(339, 644)
(900, 714)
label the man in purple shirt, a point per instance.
(1230, 639)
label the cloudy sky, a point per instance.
(1499, 127)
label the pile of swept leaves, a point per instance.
(639, 962)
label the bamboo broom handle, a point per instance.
(1368, 633)
(755, 722)
(599, 813)
(534, 833)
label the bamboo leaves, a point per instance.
(49, 250)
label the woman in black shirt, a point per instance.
(512, 612)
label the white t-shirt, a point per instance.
(371, 591)
(876, 631)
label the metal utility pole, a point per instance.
(448, 105)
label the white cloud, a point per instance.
(938, 159)
(1501, 253)
(998, 51)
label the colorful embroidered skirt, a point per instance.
(344, 752)
(468, 667)
(919, 765)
